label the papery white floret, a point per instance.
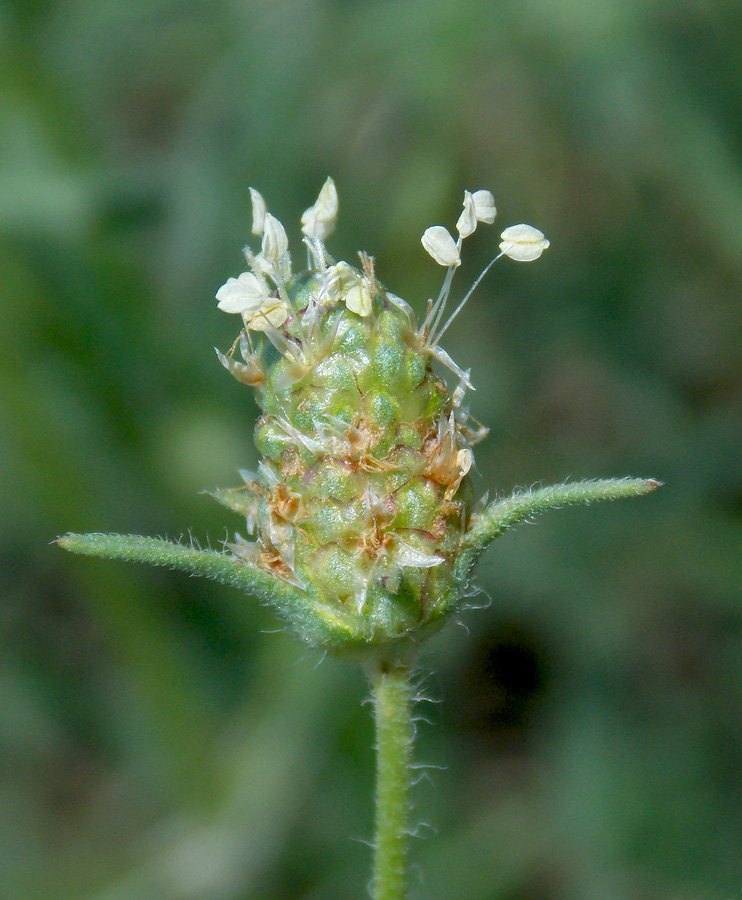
(358, 300)
(260, 264)
(275, 242)
(242, 294)
(270, 315)
(281, 535)
(298, 438)
(267, 472)
(484, 205)
(248, 551)
(523, 243)
(467, 223)
(346, 284)
(319, 220)
(464, 461)
(249, 296)
(441, 246)
(407, 555)
(259, 209)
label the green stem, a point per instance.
(392, 698)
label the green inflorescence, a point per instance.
(361, 510)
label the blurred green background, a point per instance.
(155, 742)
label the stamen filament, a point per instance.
(436, 308)
(434, 339)
(436, 313)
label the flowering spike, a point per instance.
(361, 507)
(365, 531)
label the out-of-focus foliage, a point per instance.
(154, 742)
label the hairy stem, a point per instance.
(392, 698)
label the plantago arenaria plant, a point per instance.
(364, 530)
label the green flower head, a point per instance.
(362, 497)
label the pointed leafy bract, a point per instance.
(313, 624)
(497, 517)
